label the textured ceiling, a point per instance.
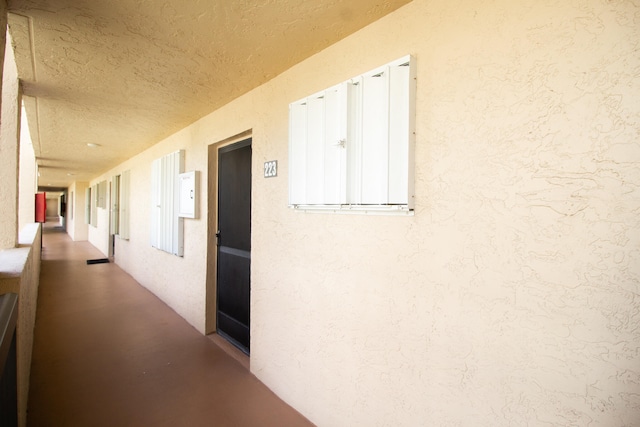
(125, 74)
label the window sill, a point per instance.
(401, 210)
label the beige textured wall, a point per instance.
(99, 235)
(511, 297)
(76, 227)
(3, 24)
(53, 206)
(9, 146)
(20, 274)
(28, 177)
(30, 236)
(179, 281)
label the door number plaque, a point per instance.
(271, 169)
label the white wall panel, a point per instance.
(315, 150)
(375, 139)
(166, 226)
(334, 146)
(156, 203)
(94, 205)
(115, 205)
(125, 182)
(297, 153)
(87, 206)
(399, 134)
(354, 140)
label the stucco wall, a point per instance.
(53, 207)
(9, 145)
(511, 296)
(99, 235)
(28, 177)
(20, 274)
(179, 281)
(76, 226)
(30, 236)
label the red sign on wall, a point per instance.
(41, 207)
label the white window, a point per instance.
(115, 205)
(101, 200)
(120, 205)
(94, 205)
(166, 225)
(123, 226)
(351, 146)
(87, 206)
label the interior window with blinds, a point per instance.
(351, 145)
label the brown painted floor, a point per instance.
(107, 352)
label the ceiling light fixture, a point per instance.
(92, 145)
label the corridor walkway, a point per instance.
(107, 352)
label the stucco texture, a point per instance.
(28, 186)
(77, 228)
(20, 274)
(511, 297)
(9, 145)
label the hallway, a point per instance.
(107, 352)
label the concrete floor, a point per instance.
(107, 352)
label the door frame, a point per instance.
(211, 300)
